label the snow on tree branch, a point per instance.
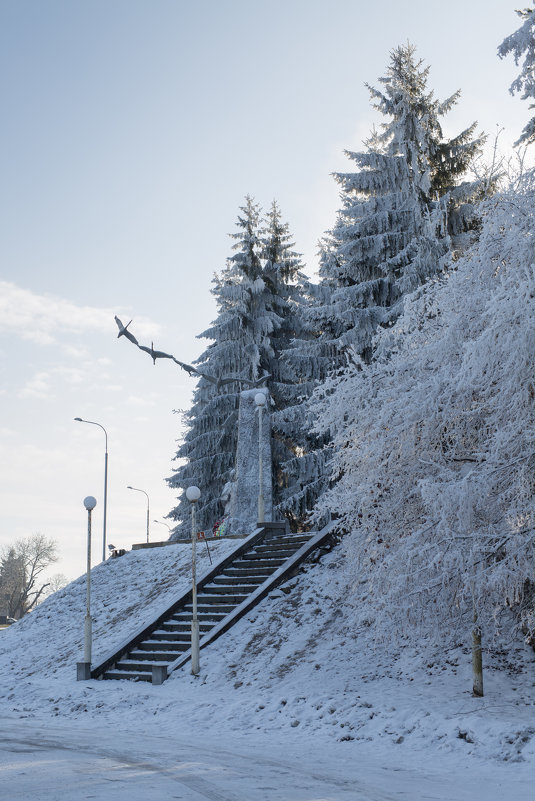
(435, 440)
(521, 44)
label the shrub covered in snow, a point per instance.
(435, 440)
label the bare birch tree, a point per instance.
(22, 566)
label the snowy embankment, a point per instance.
(299, 665)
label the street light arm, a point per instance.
(92, 423)
(136, 489)
(161, 523)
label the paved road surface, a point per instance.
(89, 760)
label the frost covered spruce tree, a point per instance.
(240, 341)
(435, 445)
(282, 271)
(398, 208)
(391, 234)
(290, 292)
(258, 301)
(521, 43)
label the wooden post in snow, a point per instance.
(477, 660)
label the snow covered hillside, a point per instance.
(301, 665)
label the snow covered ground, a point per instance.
(294, 703)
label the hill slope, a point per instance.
(300, 665)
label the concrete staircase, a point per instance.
(231, 588)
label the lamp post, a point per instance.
(84, 668)
(148, 506)
(260, 401)
(80, 420)
(161, 523)
(193, 494)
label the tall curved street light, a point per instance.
(92, 423)
(148, 506)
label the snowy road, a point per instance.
(70, 762)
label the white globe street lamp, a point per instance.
(193, 494)
(148, 506)
(84, 668)
(80, 420)
(260, 401)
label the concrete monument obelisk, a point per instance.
(253, 446)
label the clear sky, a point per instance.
(131, 133)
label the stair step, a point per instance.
(173, 636)
(252, 572)
(270, 547)
(165, 645)
(220, 598)
(224, 590)
(284, 542)
(263, 558)
(242, 581)
(203, 616)
(253, 564)
(211, 611)
(172, 632)
(157, 656)
(300, 538)
(116, 674)
(125, 666)
(279, 555)
(184, 627)
(175, 627)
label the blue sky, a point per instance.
(131, 133)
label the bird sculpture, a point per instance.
(155, 354)
(124, 332)
(187, 367)
(160, 354)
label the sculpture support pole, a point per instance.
(105, 501)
